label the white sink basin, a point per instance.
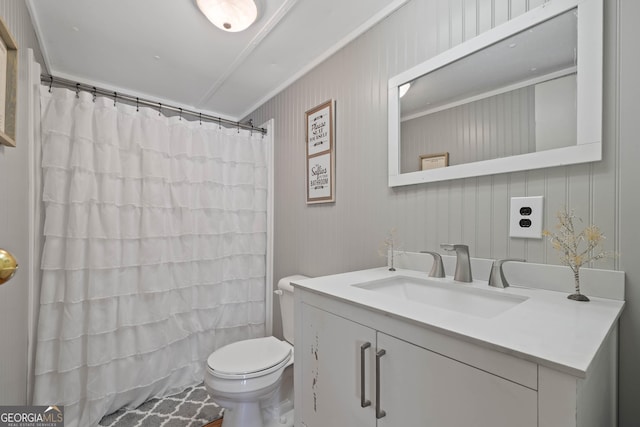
(445, 294)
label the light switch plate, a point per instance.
(526, 217)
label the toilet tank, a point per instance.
(285, 292)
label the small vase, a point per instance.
(577, 296)
(391, 256)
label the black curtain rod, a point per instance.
(51, 80)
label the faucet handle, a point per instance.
(496, 277)
(437, 269)
(449, 246)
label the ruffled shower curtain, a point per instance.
(154, 255)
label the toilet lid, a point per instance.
(249, 356)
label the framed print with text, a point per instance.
(434, 161)
(320, 147)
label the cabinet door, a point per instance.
(330, 359)
(422, 388)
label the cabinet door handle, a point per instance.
(363, 401)
(379, 412)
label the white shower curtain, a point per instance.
(154, 254)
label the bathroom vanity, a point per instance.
(381, 348)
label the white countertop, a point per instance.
(547, 328)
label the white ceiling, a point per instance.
(166, 50)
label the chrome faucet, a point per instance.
(437, 269)
(463, 263)
(496, 277)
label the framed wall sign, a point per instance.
(8, 86)
(320, 178)
(320, 142)
(434, 161)
(319, 129)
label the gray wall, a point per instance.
(324, 239)
(14, 230)
(627, 202)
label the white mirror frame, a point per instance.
(589, 97)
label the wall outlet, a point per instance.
(526, 217)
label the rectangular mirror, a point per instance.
(524, 95)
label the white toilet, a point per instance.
(248, 379)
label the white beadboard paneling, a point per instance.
(500, 217)
(484, 215)
(580, 190)
(485, 15)
(518, 7)
(471, 19)
(469, 209)
(605, 186)
(515, 247)
(455, 213)
(501, 11)
(444, 25)
(456, 9)
(473, 210)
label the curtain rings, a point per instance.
(159, 108)
(115, 98)
(200, 119)
(93, 92)
(180, 114)
(137, 104)
(50, 82)
(77, 90)
(219, 123)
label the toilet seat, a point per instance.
(249, 358)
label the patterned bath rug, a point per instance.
(191, 408)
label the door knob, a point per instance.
(8, 266)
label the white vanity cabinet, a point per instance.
(328, 363)
(430, 376)
(416, 386)
(421, 388)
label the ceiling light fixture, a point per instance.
(229, 15)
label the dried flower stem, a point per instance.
(387, 246)
(568, 243)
